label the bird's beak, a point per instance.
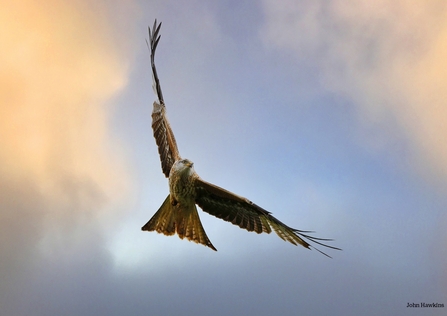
(189, 164)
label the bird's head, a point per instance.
(183, 166)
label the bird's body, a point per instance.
(178, 213)
(181, 182)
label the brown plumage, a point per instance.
(178, 213)
(164, 137)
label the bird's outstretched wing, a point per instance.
(164, 137)
(244, 213)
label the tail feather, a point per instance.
(188, 225)
(163, 221)
(170, 219)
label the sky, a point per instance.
(329, 114)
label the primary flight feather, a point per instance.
(178, 213)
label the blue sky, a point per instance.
(328, 114)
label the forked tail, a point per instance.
(170, 219)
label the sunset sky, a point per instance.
(332, 115)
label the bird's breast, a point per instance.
(182, 188)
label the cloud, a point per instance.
(64, 174)
(57, 75)
(60, 169)
(387, 57)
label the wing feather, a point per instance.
(247, 215)
(164, 137)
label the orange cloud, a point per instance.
(59, 68)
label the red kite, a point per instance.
(178, 213)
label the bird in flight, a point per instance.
(178, 213)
